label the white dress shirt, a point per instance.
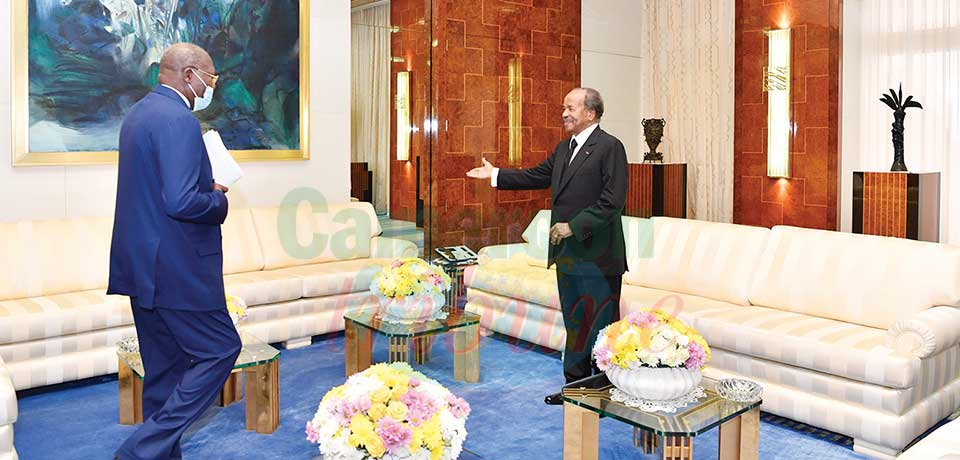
(581, 139)
(185, 101)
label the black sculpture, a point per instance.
(653, 133)
(895, 101)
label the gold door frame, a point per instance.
(20, 116)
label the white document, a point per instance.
(226, 171)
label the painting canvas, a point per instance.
(84, 63)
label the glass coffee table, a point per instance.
(258, 361)
(584, 401)
(361, 324)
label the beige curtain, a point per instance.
(917, 43)
(370, 97)
(687, 79)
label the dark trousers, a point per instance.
(589, 303)
(187, 357)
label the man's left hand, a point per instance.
(559, 231)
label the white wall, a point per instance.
(611, 62)
(48, 192)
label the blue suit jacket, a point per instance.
(166, 247)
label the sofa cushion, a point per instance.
(537, 235)
(332, 278)
(846, 350)
(53, 257)
(55, 315)
(65, 344)
(299, 235)
(515, 279)
(264, 286)
(706, 259)
(862, 279)
(241, 248)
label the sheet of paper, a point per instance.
(226, 171)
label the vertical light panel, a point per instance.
(776, 83)
(514, 111)
(403, 116)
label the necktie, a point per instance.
(573, 149)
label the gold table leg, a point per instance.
(232, 391)
(263, 397)
(399, 350)
(645, 440)
(677, 448)
(421, 349)
(581, 433)
(466, 354)
(130, 390)
(740, 437)
(359, 346)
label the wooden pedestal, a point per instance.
(657, 189)
(899, 204)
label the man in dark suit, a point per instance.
(587, 176)
(166, 254)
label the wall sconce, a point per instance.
(403, 116)
(398, 59)
(776, 83)
(515, 110)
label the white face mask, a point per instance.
(200, 103)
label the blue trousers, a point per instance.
(589, 304)
(187, 357)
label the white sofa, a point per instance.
(855, 334)
(57, 325)
(8, 414)
(942, 444)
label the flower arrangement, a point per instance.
(411, 290)
(650, 338)
(389, 411)
(410, 277)
(237, 309)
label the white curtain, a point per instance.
(688, 81)
(917, 43)
(370, 97)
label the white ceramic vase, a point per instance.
(655, 383)
(411, 309)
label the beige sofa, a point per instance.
(8, 414)
(855, 334)
(942, 444)
(57, 325)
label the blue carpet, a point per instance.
(509, 419)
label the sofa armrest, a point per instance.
(500, 252)
(392, 248)
(8, 397)
(926, 333)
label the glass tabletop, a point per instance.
(254, 352)
(370, 319)
(593, 393)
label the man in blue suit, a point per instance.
(166, 254)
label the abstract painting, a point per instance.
(79, 65)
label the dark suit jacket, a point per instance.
(166, 248)
(590, 195)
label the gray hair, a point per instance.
(593, 101)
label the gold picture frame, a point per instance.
(20, 116)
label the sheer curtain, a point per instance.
(689, 81)
(916, 42)
(370, 96)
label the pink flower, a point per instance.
(458, 407)
(396, 264)
(603, 355)
(698, 357)
(344, 410)
(413, 383)
(312, 434)
(420, 407)
(394, 434)
(642, 319)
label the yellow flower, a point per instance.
(377, 411)
(380, 395)
(397, 410)
(376, 447)
(400, 389)
(361, 426)
(416, 441)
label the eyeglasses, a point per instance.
(213, 77)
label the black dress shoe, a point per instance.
(553, 400)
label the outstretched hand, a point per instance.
(483, 172)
